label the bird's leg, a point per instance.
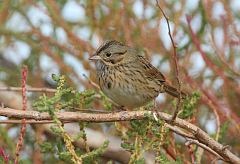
(118, 108)
(123, 108)
(155, 112)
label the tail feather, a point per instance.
(174, 91)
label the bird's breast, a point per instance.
(126, 88)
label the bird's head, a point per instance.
(113, 53)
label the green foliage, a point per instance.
(65, 98)
(46, 147)
(163, 159)
(148, 134)
(105, 101)
(65, 156)
(6, 139)
(189, 105)
(223, 130)
(88, 158)
(1, 160)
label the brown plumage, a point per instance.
(127, 77)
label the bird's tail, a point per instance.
(174, 91)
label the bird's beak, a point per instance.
(94, 57)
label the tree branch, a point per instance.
(191, 141)
(19, 89)
(178, 106)
(200, 135)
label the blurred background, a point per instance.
(57, 37)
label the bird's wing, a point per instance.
(150, 70)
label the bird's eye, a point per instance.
(108, 54)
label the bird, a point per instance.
(127, 77)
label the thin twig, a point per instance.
(24, 108)
(196, 42)
(196, 142)
(190, 150)
(178, 106)
(91, 82)
(18, 89)
(180, 132)
(220, 53)
(4, 155)
(218, 123)
(211, 100)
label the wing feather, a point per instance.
(150, 71)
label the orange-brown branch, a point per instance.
(201, 136)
